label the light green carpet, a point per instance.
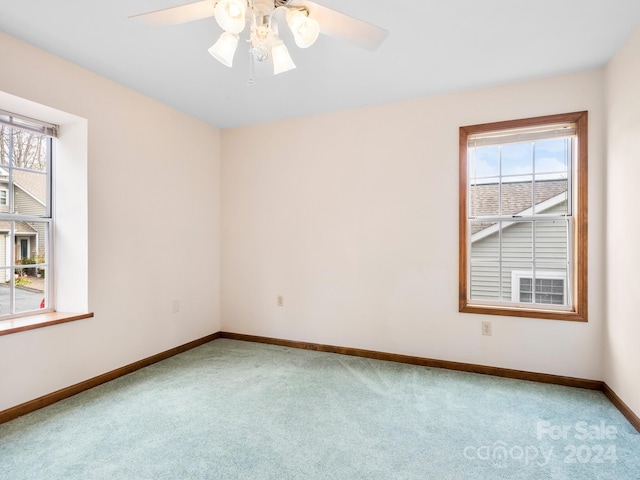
(237, 410)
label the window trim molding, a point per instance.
(579, 311)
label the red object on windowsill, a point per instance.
(42, 303)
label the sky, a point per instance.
(549, 158)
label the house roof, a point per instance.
(33, 183)
(22, 228)
(516, 198)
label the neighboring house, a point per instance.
(29, 194)
(518, 243)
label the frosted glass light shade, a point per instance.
(281, 59)
(305, 30)
(225, 48)
(230, 15)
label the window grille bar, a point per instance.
(12, 271)
(533, 225)
(500, 228)
(24, 218)
(542, 217)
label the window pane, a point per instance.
(483, 197)
(484, 241)
(484, 177)
(550, 291)
(28, 274)
(526, 290)
(551, 242)
(517, 241)
(517, 159)
(485, 281)
(30, 193)
(551, 195)
(477, 227)
(552, 171)
(551, 156)
(512, 273)
(516, 195)
(517, 170)
(30, 150)
(551, 286)
(484, 162)
(29, 289)
(4, 144)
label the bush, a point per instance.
(22, 281)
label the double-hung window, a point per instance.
(26, 147)
(523, 217)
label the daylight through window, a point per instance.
(523, 217)
(25, 214)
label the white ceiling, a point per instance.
(433, 47)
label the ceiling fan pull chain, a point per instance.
(251, 81)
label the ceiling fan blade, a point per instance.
(180, 14)
(346, 27)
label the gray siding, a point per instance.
(27, 205)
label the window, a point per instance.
(25, 219)
(523, 218)
(550, 287)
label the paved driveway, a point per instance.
(26, 299)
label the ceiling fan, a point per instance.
(306, 20)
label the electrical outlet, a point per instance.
(280, 300)
(486, 328)
(175, 306)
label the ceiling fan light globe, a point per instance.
(230, 15)
(225, 48)
(305, 30)
(282, 61)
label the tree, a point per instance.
(29, 149)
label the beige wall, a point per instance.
(622, 336)
(353, 217)
(153, 190)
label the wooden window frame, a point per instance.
(580, 251)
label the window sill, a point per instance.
(40, 320)
(522, 312)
